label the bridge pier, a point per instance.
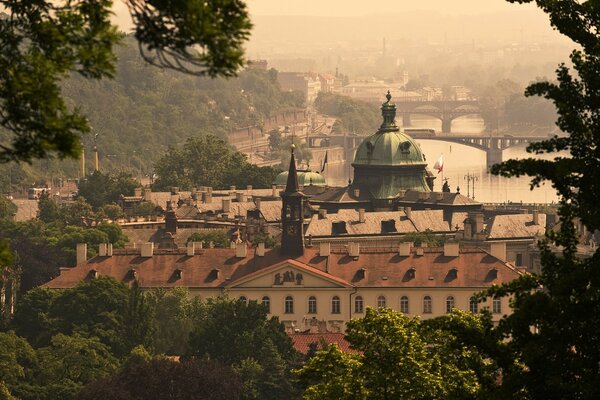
(446, 125)
(406, 120)
(493, 156)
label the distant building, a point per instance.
(300, 82)
(262, 65)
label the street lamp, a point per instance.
(471, 179)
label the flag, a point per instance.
(324, 163)
(439, 164)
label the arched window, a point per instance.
(497, 305)
(359, 306)
(449, 304)
(243, 299)
(380, 301)
(289, 305)
(336, 306)
(427, 306)
(404, 304)
(312, 305)
(473, 305)
(266, 302)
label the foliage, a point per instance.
(302, 152)
(269, 241)
(402, 357)
(99, 189)
(333, 375)
(33, 319)
(208, 161)
(7, 208)
(219, 238)
(16, 355)
(112, 211)
(234, 332)
(165, 379)
(354, 116)
(553, 332)
(143, 208)
(48, 210)
(427, 237)
(44, 41)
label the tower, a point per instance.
(292, 210)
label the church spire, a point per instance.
(292, 178)
(388, 111)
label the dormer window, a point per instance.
(492, 275)
(132, 274)
(452, 274)
(339, 228)
(410, 274)
(177, 274)
(405, 147)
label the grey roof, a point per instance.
(516, 226)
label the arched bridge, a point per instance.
(446, 110)
(492, 145)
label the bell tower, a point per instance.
(292, 210)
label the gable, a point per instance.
(289, 275)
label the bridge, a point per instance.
(492, 145)
(446, 110)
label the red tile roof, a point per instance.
(219, 268)
(302, 341)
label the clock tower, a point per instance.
(292, 214)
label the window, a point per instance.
(473, 305)
(404, 304)
(266, 302)
(312, 305)
(359, 307)
(336, 305)
(497, 305)
(519, 260)
(289, 305)
(243, 299)
(427, 309)
(380, 301)
(449, 304)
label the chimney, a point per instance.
(109, 249)
(174, 190)
(408, 212)
(322, 213)
(226, 205)
(401, 193)
(439, 196)
(249, 188)
(324, 249)
(353, 249)
(137, 192)
(239, 197)
(81, 253)
(198, 245)
(105, 250)
(419, 251)
(451, 249)
(404, 249)
(191, 246)
(477, 218)
(498, 250)
(274, 191)
(232, 188)
(241, 250)
(536, 217)
(356, 192)
(147, 194)
(423, 195)
(147, 249)
(260, 250)
(209, 189)
(361, 215)
(257, 203)
(207, 197)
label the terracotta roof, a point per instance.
(456, 199)
(458, 218)
(302, 341)
(219, 268)
(429, 219)
(516, 226)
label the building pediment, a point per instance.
(289, 274)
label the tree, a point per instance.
(16, 357)
(208, 161)
(48, 210)
(553, 330)
(238, 333)
(219, 238)
(333, 375)
(33, 319)
(165, 379)
(100, 189)
(68, 364)
(45, 41)
(7, 208)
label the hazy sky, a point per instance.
(352, 8)
(362, 7)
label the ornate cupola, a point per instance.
(292, 213)
(389, 160)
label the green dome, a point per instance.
(305, 178)
(389, 149)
